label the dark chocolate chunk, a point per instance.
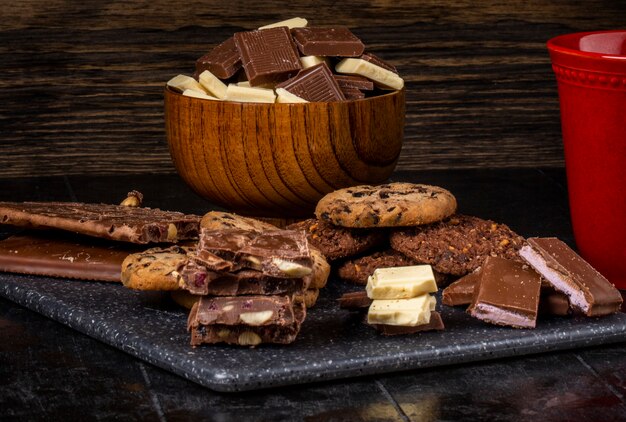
(268, 55)
(355, 82)
(507, 294)
(369, 57)
(337, 41)
(115, 222)
(588, 291)
(435, 323)
(352, 93)
(314, 84)
(223, 61)
(355, 300)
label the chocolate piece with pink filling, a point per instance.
(587, 290)
(507, 294)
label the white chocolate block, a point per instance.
(213, 84)
(382, 77)
(198, 94)
(247, 84)
(290, 23)
(245, 94)
(284, 96)
(310, 61)
(401, 282)
(405, 312)
(183, 82)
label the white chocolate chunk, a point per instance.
(405, 312)
(249, 94)
(197, 94)
(212, 84)
(382, 77)
(310, 61)
(284, 96)
(247, 84)
(183, 82)
(290, 23)
(401, 282)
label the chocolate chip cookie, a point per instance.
(154, 269)
(339, 242)
(218, 220)
(357, 270)
(457, 245)
(388, 205)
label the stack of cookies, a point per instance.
(246, 282)
(362, 228)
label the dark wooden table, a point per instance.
(48, 371)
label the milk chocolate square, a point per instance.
(337, 41)
(223, 61)
(314, 84)
(268, 55)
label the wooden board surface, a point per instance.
(81, 82)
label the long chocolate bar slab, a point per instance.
(507, 294)
(223, 61)
(314, 84)
(115, 222)
(63, 256)
(277, 253)
(268, 55)
(587, 290)
(337, 41)
(244, 335)
(197, 280)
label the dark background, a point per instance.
(81, 82)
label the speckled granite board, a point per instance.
(332, 344)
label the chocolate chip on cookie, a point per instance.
(388, 205)
(357, 270)
(339, 242)
(457, 245)
(154, 269)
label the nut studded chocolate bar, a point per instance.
(115, 222)
(204, 329)
(314, 84)
(268, 55)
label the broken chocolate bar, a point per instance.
(277, 253)
(315, 84)
(369, 57)
(337, 41)
(587, 290)
(197, 280)
(242, 334)
(461, 291)
(355, 82)
(245, 310)
(268, 55)
(67, 256)
(507, 294)
(223, 61)
(434, 324)
(115, 222)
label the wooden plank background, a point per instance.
(81, 81)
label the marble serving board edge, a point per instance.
(333, 343)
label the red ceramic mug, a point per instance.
(590, 69)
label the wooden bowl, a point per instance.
(278, 160)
